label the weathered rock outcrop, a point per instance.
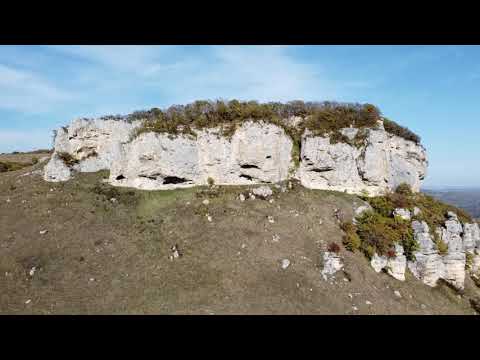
(378, 162)
(258, 152)
(429, 265)
(96, 144)
(395, 265)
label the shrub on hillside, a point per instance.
(393, 128)
(351, 240)
(378, 230)
(319, 117)
(333, 247)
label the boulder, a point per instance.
(263, 191)
(332, 263)
(402, 213)
(56, 170)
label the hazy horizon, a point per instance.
(433, 90)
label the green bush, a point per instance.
(404, 189)
(468, 261)
(210, 181)
(351, 240)
(12, 166)
(393, 128)
(442, 247)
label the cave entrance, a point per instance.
(174, 180)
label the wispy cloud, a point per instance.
(180, 74)
(27, 92)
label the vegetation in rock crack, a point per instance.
(321, 118)
(210, 181)
(378, 230)
(67, 158)
(468, 260)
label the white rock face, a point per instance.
(156, 161)
(258, 152)
(381, 163)
(331, 264)
(455, 259)
(476, 262)
(471, 237)
(395, 266)
(96, 143)
(378, 262)
(56, 170)
(428, 265)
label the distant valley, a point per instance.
(466, 198)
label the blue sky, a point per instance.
(433, 90)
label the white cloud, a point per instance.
(26, 92)
(136, 59)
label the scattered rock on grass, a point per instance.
(285, 263)
(32, 271)
(332, 263)
(175, 253)
(262, 191)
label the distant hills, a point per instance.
(465, 198)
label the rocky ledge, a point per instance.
(367, 160)
(431, 263)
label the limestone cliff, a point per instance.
(366, 160)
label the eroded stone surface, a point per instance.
(258, 152)
(428, 265)
(332, 263)
(396, 265)
(381, 163)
